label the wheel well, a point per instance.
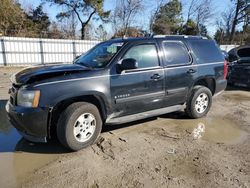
(60, 107)
(207, 82)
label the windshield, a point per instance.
(100, 55)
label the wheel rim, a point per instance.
(84, 127)
(201, 103)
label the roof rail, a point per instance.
(183, 36)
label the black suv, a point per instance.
(117, 81)
(239, 66)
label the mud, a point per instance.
(20, 158)
(167, 151)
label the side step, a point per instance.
(143, 115)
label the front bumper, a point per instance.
(30, 122)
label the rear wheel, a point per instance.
(199, 102)
(79, 125)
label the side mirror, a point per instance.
(128, 64)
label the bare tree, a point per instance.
(124, 14)
(159, 4)
(83, 9)
(200, 11)
(101, 33)
(242, 13)
(192, 8)
(69, 26)
(227, 18)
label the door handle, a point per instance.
(191, 71)
(156, 77)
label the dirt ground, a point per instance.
(167, 151)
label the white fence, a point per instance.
(16, 51)
(227, 48)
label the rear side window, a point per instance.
(244, 52)
(175, 53)
(145, 55)
(206, 51)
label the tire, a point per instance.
(195, 107)
(79, 126)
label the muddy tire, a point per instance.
(199, 102)
(79, 126)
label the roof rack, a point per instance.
(182, 36)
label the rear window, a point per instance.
(244, 52)
(206, 51)
(175, 53)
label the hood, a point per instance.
(38, 73)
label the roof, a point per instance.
(179, 37)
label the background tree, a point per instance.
(168, 19)
(11, 17)
(201, 12)
(55, 31)
(37, 22)
(69, 26)
(154, 13)
(131, 32)
(124, 15)
(83, 9)
(219, 35)
(241, 14)
(101, 33)
(189, 28)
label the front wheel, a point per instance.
(79, 125)
(199, 102)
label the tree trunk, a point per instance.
(83, 31)
(231, 39)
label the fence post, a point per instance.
(41, 51)
(3, 52)
(74, 49)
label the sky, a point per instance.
(219, 6)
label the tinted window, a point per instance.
(244, 52)
(145, 55)
(206, 51)
(232, 57)
(175, 53)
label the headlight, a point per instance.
(28, 98)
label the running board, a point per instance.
(143, 115)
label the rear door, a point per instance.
(141, 89)
(179, 71)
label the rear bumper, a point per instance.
(30, 122)
(221, 85)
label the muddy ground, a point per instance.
(167, 151)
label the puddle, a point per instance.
(215, 130)
(19, 158)
(219, 131)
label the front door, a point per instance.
(140, 89)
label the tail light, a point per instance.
(225, 69)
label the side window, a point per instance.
(145, 55)
(175, 53)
